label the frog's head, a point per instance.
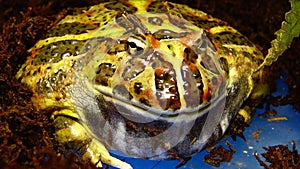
(157, 61)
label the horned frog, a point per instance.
(150, 79)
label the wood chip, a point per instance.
(277, 119)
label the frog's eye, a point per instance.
(135, 46)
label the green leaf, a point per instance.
(284, 36)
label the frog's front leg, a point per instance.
(73, 135)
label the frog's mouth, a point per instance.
(144, 132)
(137, 112)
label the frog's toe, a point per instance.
(99, 164)
(118, 163)
(97, 152)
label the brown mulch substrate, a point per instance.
(26, 139)
(280, 156)
(219, 155)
